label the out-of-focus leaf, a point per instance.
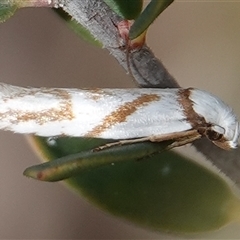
(7, 9)
(127, 9)
(78, 28)
(164, 191)
(146, 18)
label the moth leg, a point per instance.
(184, 141)
(179, 143)
(120, 143)
(173, 136)
(181, 138)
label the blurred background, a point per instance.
(197, 41)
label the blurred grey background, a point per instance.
(197, 41)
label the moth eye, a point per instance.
(213, 136)
(218, 129)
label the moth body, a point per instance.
(117, 113)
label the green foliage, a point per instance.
(127, 9)
(162, 191)
(146, 18)
(7, 9)
(74, 164)
(131, 9)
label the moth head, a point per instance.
(225, 138)
(223, 126)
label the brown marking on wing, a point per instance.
(121, 114)
(62, 112)
(195, 119)
(95, 94)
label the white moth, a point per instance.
(134, 115)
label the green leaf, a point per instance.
(163, 191)
(127, 9)
(7, 9)
(150, 13)
(74, 164)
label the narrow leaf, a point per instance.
(72, 165)
(150, 13)
(127, 9)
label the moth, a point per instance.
(125, 115)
